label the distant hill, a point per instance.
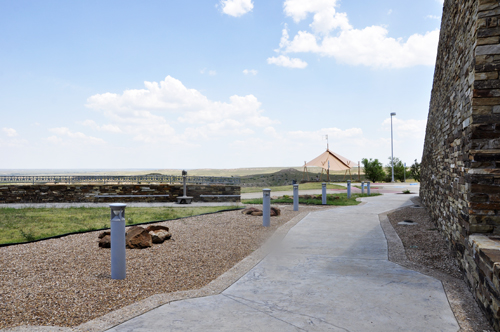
(250, 177)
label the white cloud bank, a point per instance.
(236, 8)
(250, 72)
(169, 111)
(285, 61)
(331, 35)
(10, 132)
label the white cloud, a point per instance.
(389, 12)
(406, 128)
(236, 8)
(286, 61)
(328, 20)
(209, 72)
(10, 132)
(433, 17)
(109, 127)
(333, 133)
(249, 72)
(169, 112)
(332, 35)
(63, 131)
(298, 9)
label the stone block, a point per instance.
(488, 75)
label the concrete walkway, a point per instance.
(330, 273)
(383, 188)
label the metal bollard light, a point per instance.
(266, 207)
(348, 188)
(323, 193)
(362, 187)
(296, 197)
(118, 266)
(368, 187)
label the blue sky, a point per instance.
(212, 84)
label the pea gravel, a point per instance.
(66, 282)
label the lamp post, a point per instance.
(392, 150)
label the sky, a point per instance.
(213, 83)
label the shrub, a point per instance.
(415, 171)
(399, 170)
(373, 169)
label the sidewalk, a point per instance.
(382, 188)
(331, 273)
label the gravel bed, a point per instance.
(66, 282)
(426, 250)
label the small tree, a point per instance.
(399, 170)
(415, 170)
(374, 170)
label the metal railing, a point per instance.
(105, 179)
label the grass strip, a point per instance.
(31, 224)
(339, 199)
(303, 186)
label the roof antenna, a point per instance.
(326, 137)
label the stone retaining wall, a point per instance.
(461, 160)
(87, 193)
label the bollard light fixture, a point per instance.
(392, 151)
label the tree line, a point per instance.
(374, 170)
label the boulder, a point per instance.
(103, 234)
(159, 233)
(250, 210)
(275, 211)
(137, 238)
(105, 241)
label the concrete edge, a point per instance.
(397, 254)
(215, 287)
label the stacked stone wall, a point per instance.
(87, 193)
(461, 159)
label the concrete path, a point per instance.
(383, 188)
(330, 273)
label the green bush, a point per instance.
(415, 171)
(399, 170)
(374, 171)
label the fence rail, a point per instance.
(105, 179)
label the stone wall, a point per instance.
(87, 193)
(461, 160)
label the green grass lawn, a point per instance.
(303, 186)
(332, 199)
(28, 224)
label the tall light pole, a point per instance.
(392, 151)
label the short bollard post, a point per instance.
(118, 266)
(266, 207)
(296, 197)
(362, 187)
(323, 193)
(348, 188)
(368, 187)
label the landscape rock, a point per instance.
(159, 233)
(275, 211)
(105, 241)
(137, 238)
(256, 212)
(250, 210)
(103, 234)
